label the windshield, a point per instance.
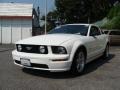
(70, 29)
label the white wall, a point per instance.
(6, 31)
(16, 9)
(0, 30)
(26, 28)
(14, 30)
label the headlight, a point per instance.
(19, 47)
(59, 50)
(42, 49)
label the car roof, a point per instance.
(80, 24)
(112, 30)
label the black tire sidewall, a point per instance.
(74, 69)
(106, 50)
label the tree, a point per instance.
(51, 18)
(82, 11)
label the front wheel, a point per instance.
(78, 62)
(106, 52)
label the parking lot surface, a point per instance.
(100, 74)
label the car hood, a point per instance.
(49, 39)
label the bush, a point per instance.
(113, 23)
(115, 11)
(113, 18)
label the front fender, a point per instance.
(76, 45)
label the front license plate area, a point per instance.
(25, 62)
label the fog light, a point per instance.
(42, 49)
(19, 47)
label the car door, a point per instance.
(94, 42)
(114, 37)
(103, 38)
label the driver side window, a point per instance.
(94, 31)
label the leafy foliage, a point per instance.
(77, 11)
(115, 11)
(82, 11)
(51, 18)
(113, 18)
(113, 23)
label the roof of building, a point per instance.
(16, 10)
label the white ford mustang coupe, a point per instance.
(67, 47)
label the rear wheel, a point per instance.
(78, 62)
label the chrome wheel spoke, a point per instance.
(80, 61)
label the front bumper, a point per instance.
(43, 62)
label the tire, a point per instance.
(106, 52)
(78, 64)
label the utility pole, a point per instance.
(45, 16)
(38, 11)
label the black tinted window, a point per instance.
(71, 29)
(94, 31)
(115, 33)
(106, 32)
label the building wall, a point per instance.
(13, 30)
(16, 9)
(0, 31)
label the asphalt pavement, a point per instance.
(100, 74)
(6, 47)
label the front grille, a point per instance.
(31, 49)
(34, 65)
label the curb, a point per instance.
(5, 50)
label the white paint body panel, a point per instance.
(45, 59)
(95, 47)
(50, 39)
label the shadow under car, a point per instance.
(90, 67)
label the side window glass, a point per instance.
(115, 33)
(106, 32)
(94, 31)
